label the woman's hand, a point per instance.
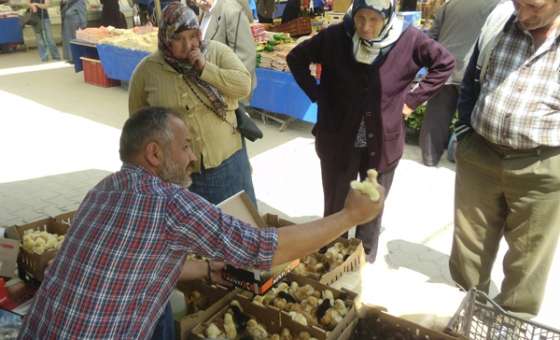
(196, 59)
(406, 111)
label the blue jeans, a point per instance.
(72, 20)
(45, 41)
(229, 178)
(165, 327)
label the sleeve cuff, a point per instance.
(268, 243)
(208, 71)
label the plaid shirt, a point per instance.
(519, 102)
(124, 253)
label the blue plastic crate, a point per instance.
(278, 92)
(119, 63)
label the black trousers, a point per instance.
(336, 184)
(434, 134)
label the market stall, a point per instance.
(10, 31)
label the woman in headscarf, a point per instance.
(203, 82)
(369, 62)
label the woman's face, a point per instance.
(368, 23)
(184, 42)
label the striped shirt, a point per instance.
(123, 255)
(519, 102)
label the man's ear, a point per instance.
(153, 153)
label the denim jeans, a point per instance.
(229, 178)
(165, 327)
(45, 41)
(73, 19)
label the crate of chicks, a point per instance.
(327, 266)
(202, 300)
(327, 311)
(376, 324)
(242, 319)
(41, 241)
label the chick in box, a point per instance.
(38, 242)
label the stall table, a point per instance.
(278, 92)
(10, 31)
(119, 63)
(82, 49)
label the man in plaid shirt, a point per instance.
(508, 156)
(129, 238)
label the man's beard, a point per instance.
(173, 173)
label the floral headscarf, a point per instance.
(177, 18)
(366, 51)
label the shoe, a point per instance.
(430, 162)
(370, 258)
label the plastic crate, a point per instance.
(94, 74)
(480, 318)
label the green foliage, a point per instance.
(414, 122)
(415, 119)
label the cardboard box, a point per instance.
(215, 298)
(31, 265)
(372, 321)
(65, 218)
(255, 281)
(352, 263)
(320, 333)
(268, 318)
(273, 321)
(9, 250)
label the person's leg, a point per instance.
(69, 28)
(369, 232)
(49, 40)
(434, 134)
(39, 38)
(246, 172)
(480, 212)
(532, 229)
(336, 181)
(229, 178)
(165, 327)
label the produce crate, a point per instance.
(480, 318)
(375, 324)
(94, 74)
(31, 266)
(297, 27)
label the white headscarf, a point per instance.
(366, 51)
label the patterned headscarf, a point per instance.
(177, 18)
(366, 51)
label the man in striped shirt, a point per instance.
(508, 156)
(129, 238)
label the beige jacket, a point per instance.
(230, 25)
(155, 83)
